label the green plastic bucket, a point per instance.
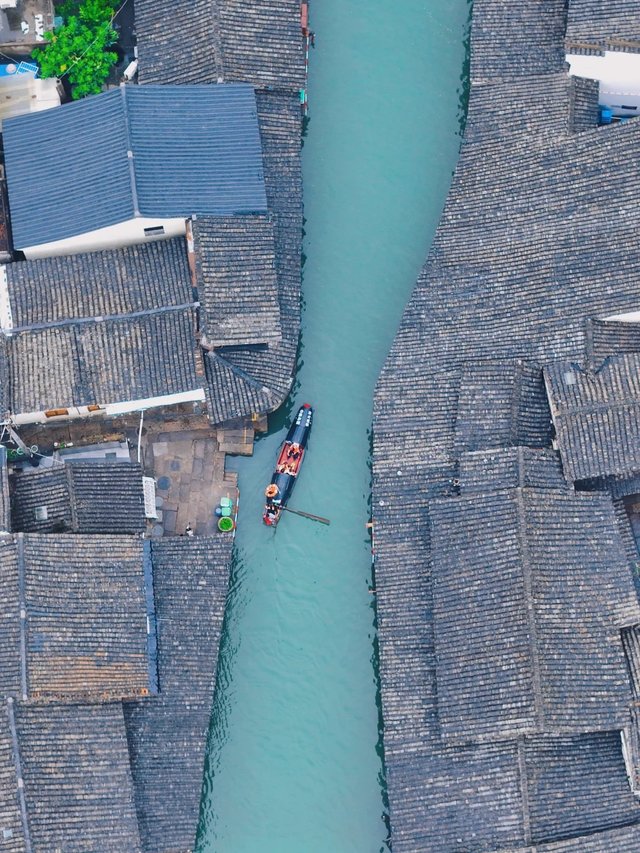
(225, 524)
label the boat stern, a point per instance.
(269, 517)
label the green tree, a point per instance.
(79, 48)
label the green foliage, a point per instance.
(89, 11)
(79, 48)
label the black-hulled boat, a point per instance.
(288, 466)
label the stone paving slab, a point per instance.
(190, 476)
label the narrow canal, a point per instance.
(294, 762)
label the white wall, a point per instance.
(619, 76)
(113, 237)
(6, 316)
(126, 407)
(629, 317)
(196, 395)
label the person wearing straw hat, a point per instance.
(272, 493)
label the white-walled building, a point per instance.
(131, 165)
(603, 44)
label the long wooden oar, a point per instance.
(307, 515)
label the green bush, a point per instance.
(79, 48)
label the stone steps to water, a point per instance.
(236, 442)
(231, 479)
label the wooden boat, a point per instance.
(288, 466)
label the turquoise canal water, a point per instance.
(294, 762)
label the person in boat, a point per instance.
(294, 451)
(272, 493)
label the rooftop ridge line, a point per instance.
(533, 637)
(216, 41)
(524, 791)
(516, 399)
(106, 318)
(130, 165)
(19, 777)
(242, 374)
(521, 467)
(69, 474)
(23, 615)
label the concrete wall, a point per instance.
(123, 408)
(619, 76)
(113, 237)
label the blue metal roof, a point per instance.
(194, 150)
(67, 170)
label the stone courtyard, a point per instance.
(190, 481)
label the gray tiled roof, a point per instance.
(624, 839)
(83, 497)
(597, 416)
(577, 785)
(115, 322)
(513, 41)
(429, 443)
(10, 815)
(554, 105)
(281, 132)
(608, 337)
(518, 796)
(99, 284)
(208, 42)
(628, 541)
(506, 566)
(167, 734)
(236, 280)
(602, 25)
(631, 643)
(232, 393)
(195, 149)
(77, 790)
(262, 43)
(618, 487)
(249, 380)
(104, 361)
(5, 378)
(488, 815)
(101, 327)
(537, 235)
(510, 467)
(41, 487)
(177, 42)
(5, 504)
(133, 336)
(501, 404)
(10, 647)
(85, 632)
(106, 497)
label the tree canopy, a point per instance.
(79, 48)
